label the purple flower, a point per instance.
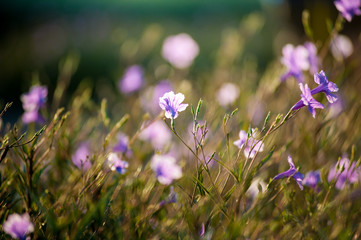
(157, 133)
(325, 86)
(296, 60)
(18, 226)
(292, 172)
(341, 47)
(312, 57)
(227, 94)
(165, 168)
(35, 98)
(343, 172)
(252, 145)
(180, 50)
(348, 8)
(32, 102)
(116, 164)
(312, 178)
(307, 100)
(122, 145)
(172, 104)
(81, 157)
(172, 197)
(132, 80)
(32, 116)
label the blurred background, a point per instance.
(105, 37)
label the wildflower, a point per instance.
(292, 172)
(165, 168)
(157, 133)
(172, 104)
(341, 47)
(325, 86)
(180, 50)
(18, 226)
(132, 80)
(257, 186)
(348, 8)
(252, 145)
(307, 100)
(81, 157)
(33, 116)
(312, 57)
(122, 145)
(33, 101)
(116, 164)
(172, 197)
(296, 60)
(227, 94)
(344, 172)
(312, 178)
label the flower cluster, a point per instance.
(251, 144)
(325, 86)
(343, 172)
(33, 101)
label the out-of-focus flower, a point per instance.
(165, 169)
(33, 116)
(180, 50)
(227, 94)
(32, 102)
(18, 226)
(348, 8)
(312, 178)
(252, 144)
(116, 164)
(172, 104)
(81, 157)
(343, 172)
(132, 80)
(307, 100)
(296, 59)
(312, 57)
(335, 108)
(325, 86)
(35, 98)
(157, 133)
(122, 145)
(341, 47)
(203, 230)
(291, 172)
(150, 98)
(172, 197)
(255, 111)
(256, 186)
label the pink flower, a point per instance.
(180, 50)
